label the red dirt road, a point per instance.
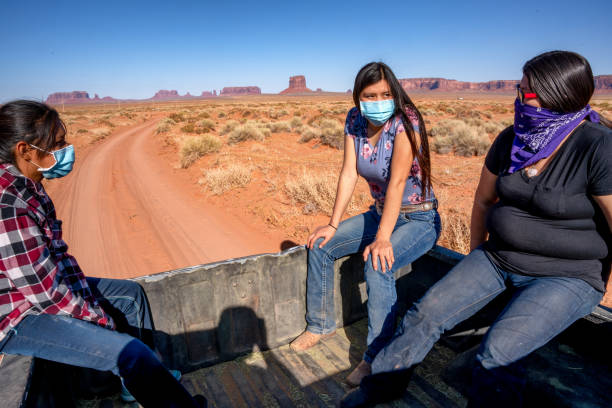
(127, 213)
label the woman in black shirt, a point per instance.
(540, 224)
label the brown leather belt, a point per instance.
(426, 206)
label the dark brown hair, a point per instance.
(32, 122)
(377, 71)
(563, 81)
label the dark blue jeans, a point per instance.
(414, 234)
(540, 309)
(76, 342)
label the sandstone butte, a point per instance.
(297, 84)
(240, 90)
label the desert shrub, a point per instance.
(276, 127)
(165, 125)
(220, 180)
(458, 136)
(295, 123)
(229, 126)
(99, 134)
(105, 122)
(246, 113)
(493, 127)
(82, 131)
(189, 128)
(314, 190)
(248, 131)
(332, 133)
(196, 147)
(176, 117)
(203, 115)
(456, 231)
(205, 125)
(221, 115)
(308, 133)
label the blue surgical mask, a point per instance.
(64, 160)
(377, 112)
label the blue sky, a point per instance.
(131, 49)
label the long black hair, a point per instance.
(377, 71)
(563, 81)
(29, 121)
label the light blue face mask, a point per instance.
(64, 160)
(377, 112)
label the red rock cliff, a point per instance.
(603, 83)
(164, 94)
(297, 84)
(240, 90)
(68, 97)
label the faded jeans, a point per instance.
(540, 308)
(76, 342)
(414, 234)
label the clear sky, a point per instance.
(131, 49)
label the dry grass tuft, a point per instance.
(277, 127)
(165, 125)
(220, 180)
(332, 133)
(308, 133)
(313, 190)
(196, 147)
(460, 137)
(229, 126)
(249, 131)
(455, 231)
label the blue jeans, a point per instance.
(76, 342)
(540, 309)
(414, 234)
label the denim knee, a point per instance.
(136, 357)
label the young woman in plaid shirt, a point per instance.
(48, 308)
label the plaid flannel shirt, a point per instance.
(37, 275)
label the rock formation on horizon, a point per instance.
(297, 84)
(240, 90)
(68, 97)
(603, 83)
(451, 85)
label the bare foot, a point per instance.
(355, 377)
(307, 339)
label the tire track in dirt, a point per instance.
(128, 214)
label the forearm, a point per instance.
(478, 229)
(393, 203)
(344, 192)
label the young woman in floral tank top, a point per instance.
(386, 143)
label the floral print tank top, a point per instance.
(374, 162)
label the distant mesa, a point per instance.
(603, 83)
(68, 97)
(297, 84)
(165, 95)
(451, 85)
(240, 90)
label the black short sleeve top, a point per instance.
(549, 224)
